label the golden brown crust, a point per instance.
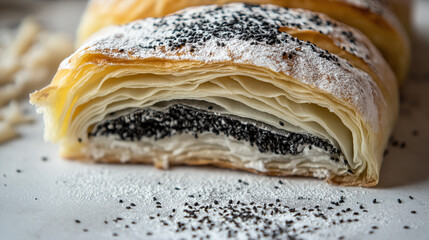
(222, 163)
(373, 18)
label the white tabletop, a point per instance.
(45, 197)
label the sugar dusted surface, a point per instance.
(67, 190)
(248, 35)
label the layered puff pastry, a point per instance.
(375, 18)
(253, 87)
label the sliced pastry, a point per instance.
(375, 18)
(253, 87)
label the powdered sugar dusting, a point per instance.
(248, 34)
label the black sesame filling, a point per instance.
(182, 119)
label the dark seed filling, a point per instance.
(181, 119)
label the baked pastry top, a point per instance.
(374, 18)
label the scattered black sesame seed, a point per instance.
(411, 197)
(399, 201)
(18, 171)
(406, 227)
(374, 201)
(44, 159)
(77, 221)
(132, 205)
(121, 201)
(413, 212)
(85, 230)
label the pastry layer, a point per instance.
(249, 61)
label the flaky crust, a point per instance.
(224, 163)
(373, 17)
(302, 56)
